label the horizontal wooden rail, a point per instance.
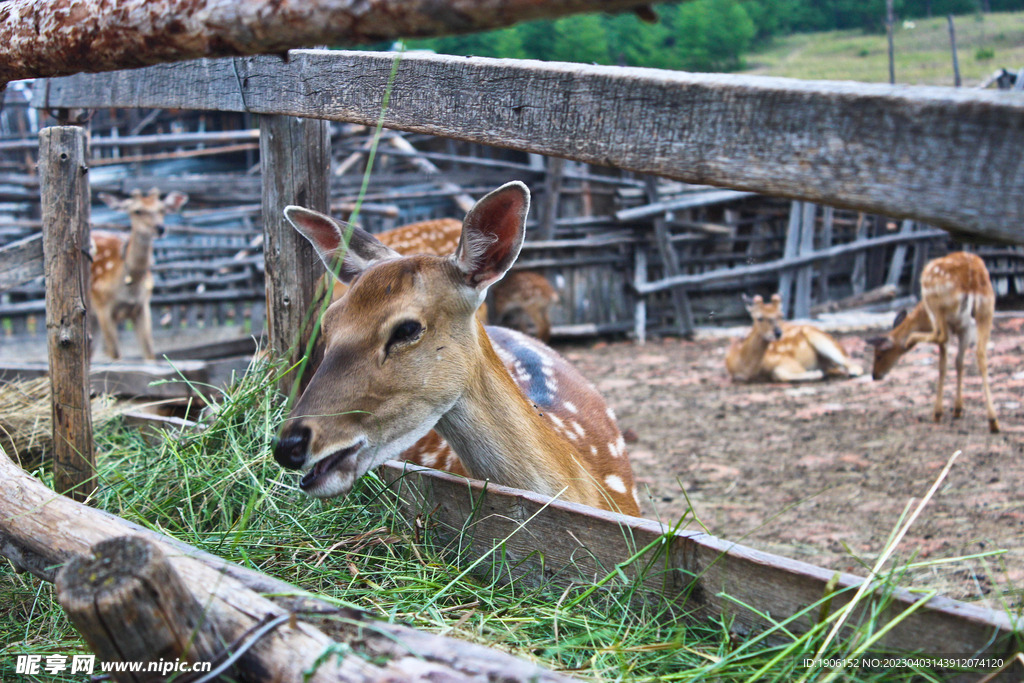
(941, 156)
(780, 265)
(149, 140)
(569, 544)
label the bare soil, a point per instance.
(822, 471)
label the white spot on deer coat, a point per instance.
(615, 483)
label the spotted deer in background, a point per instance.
(121, 281)
(957, 298)
(780, 352)
(522, 299)
(405, 354)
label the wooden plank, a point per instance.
(859, 276)
(789, 251)
(670, 267)
(899, 256)
(538, 539)
(805, 276)
(63, 163)
(552, 199)
(843, 144)
(785, 264)
(295, 158)
(21, 262)
(640, 306)
(128, 379)
(827, 225)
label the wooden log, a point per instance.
(785, 264)
(295, 157)
(841, 144)
(131, 606)
(42, 39)
(35, 534)
(875, 296)
(63, 157)
(21, 262)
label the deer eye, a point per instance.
(405, 331)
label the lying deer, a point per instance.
(405, 354)
(522, 300)
(121, 282)
(957, 297)
(776, 351)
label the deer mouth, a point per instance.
(324, 466)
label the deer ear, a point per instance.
(776, 298)
(900, 317)
(492, 235)
(175, 200)
(882, 343)
(328, 237)
(111, 201)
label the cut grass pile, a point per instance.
(221, 491)
(985, 42)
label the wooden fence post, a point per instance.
(64, 187)
(548, 218)
(805, 276)
(295, 159)
(670, 265)
(789, 251)
(640, 306)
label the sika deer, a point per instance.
(121, 283)
(777, 351)
(405, 354)
(957, 297)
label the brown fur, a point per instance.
(367, 392)
(121, 283)
(957, 297)
(523, 301)
(779, 352)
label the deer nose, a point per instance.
(778, 333)
(160, 230)
(291, 448)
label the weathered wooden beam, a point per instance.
(295, 157)
(785, 264)
(540, 540)
(39, 532)
(63, 163)
(213, 137)
(21, 262)
(936, 155)
(50, 39)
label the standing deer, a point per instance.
(121, 281)
(957, 297)
(776, 351)
(405, 354)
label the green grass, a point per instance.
(221, 491)
(922, 54)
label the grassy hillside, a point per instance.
(922, 52)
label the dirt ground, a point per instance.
(822, 471)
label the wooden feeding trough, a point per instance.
(835, 143)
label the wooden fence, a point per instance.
(929, 155)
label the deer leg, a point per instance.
(958, 403)
(144, 331)
(942, 381)
(794, 372)
(984, 330)
(108, 327)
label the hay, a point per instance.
(25, 425)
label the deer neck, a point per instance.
(138, 254)
(499, 435)
(916, 321)
(747, 359)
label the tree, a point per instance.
(712, 35)
(581, 39)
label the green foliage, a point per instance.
(984, 54)
(581, 38)
(712, 35)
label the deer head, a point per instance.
(146, 211)
(767, 317)
(891, 346)
(401, 346)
